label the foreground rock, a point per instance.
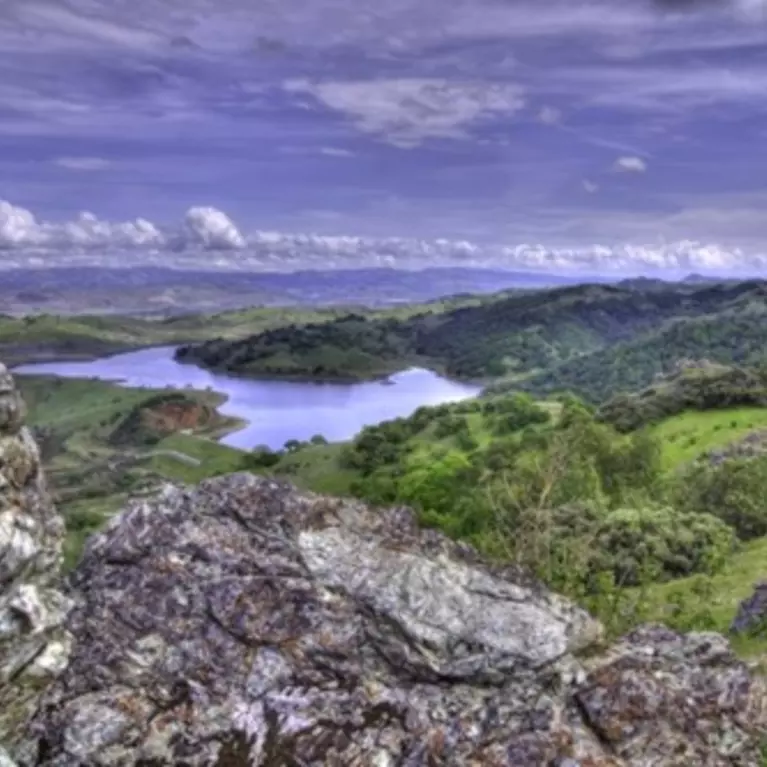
(33, 644)
(244, 623)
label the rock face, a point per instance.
(244, 623)
(33, 644)
(752, 612)
(753, 445)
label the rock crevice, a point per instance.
(243, 622)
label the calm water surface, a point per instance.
(276, 411)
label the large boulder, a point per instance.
(33, 642)
(246, 623)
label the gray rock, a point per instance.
(33, 644)
(752, 612)
(246, 623)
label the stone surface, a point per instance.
(752, 612)
(245, 623)
(33, 644)
(753, 445)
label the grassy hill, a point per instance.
(102, 444)
(735, 335)
(592, 339)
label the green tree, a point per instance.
(734, 490)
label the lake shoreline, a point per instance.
(270, 411)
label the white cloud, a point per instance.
(211, 229)
(629, 164)
(203, 229)
(590, 186)
(82, 163)
(207, 238)
(407, 111)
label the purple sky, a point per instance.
(557, 135)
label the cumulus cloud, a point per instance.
(19, 229)
(207, 238)
(630, 165)
(211, 229)
(406, 111)
(203, 229)
(590, 186)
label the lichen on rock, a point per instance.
(243, 622)
(34, 646)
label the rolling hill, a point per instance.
(594, 339)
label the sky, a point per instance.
(569, 135)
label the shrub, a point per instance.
(575, 546)
(735, 491)
(260, 457)
(671, 543)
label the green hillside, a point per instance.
(50, 337)
(732, 336)
(102, 444)
(592, 339)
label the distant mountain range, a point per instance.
(158, 290)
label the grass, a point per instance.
(728, 588)
(686, 436)
(214, 458)
(77, 405)
(90, 477)
(317, 468)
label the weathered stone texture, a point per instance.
(33, 644)
(244, 622)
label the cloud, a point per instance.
(331, 151)
(210, 229)
(407, 111)
(82, 163)
(207, 238)
(20, 229)
(630, 165)
(549, 115)
(203, 229)
(590, 186)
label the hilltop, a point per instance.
(593, 339)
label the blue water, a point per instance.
(276, 411)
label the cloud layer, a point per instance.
(208, 238)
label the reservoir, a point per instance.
(275, 411)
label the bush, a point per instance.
(670, 543)
(573, 547)
(260, 458)
(735, 491)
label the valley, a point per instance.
(588, 484)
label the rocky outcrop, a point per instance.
(753, 445)
(751, 617)
(33, 643)
(245, 623)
